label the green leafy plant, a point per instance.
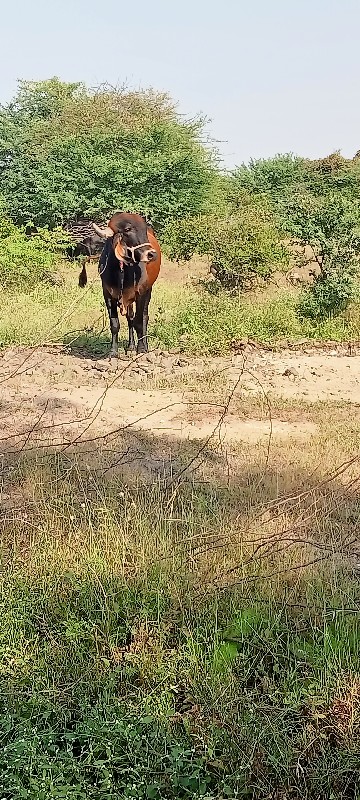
(271, 176)
(241, 246)
(331, 225)
(26, 260)
(66, 151)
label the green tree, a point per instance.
(316, 203)
(242, 244)
(334, 173)
(270, 176)
(66, 151)
(331, 225)
(280, 179)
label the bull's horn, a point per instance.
(105, 233)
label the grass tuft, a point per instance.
(180, 316)
(148, 648)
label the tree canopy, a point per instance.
(66, 151)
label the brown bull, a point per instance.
(129, 266)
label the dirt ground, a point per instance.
(67, 397)
(57, 396)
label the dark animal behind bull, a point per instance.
(85, 242)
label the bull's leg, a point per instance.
(141, 321)
(130, 316)
(112, 309)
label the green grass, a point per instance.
(179, 316)
(202, 323)
(142, 653)
(49, 313)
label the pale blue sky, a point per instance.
(273, 75)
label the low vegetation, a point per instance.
(208, 650)
(27, 262)
(183, 317)
(242, 246)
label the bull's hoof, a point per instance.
(113, 354)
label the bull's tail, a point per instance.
(83, 277)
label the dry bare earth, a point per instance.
(51, 394)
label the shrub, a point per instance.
(241, 246)
(328, 296)
(317, 204)
(331, 225)
(280, 179)
(27, 260)
(270, 176)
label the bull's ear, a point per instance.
(105, 233)
(119, 250)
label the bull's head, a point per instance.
(130, 243)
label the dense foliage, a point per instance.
(331, 225)
(24, 260)
(260, 205)
(242, 244)
(316, 203)
(66, 152)
(280, 178)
